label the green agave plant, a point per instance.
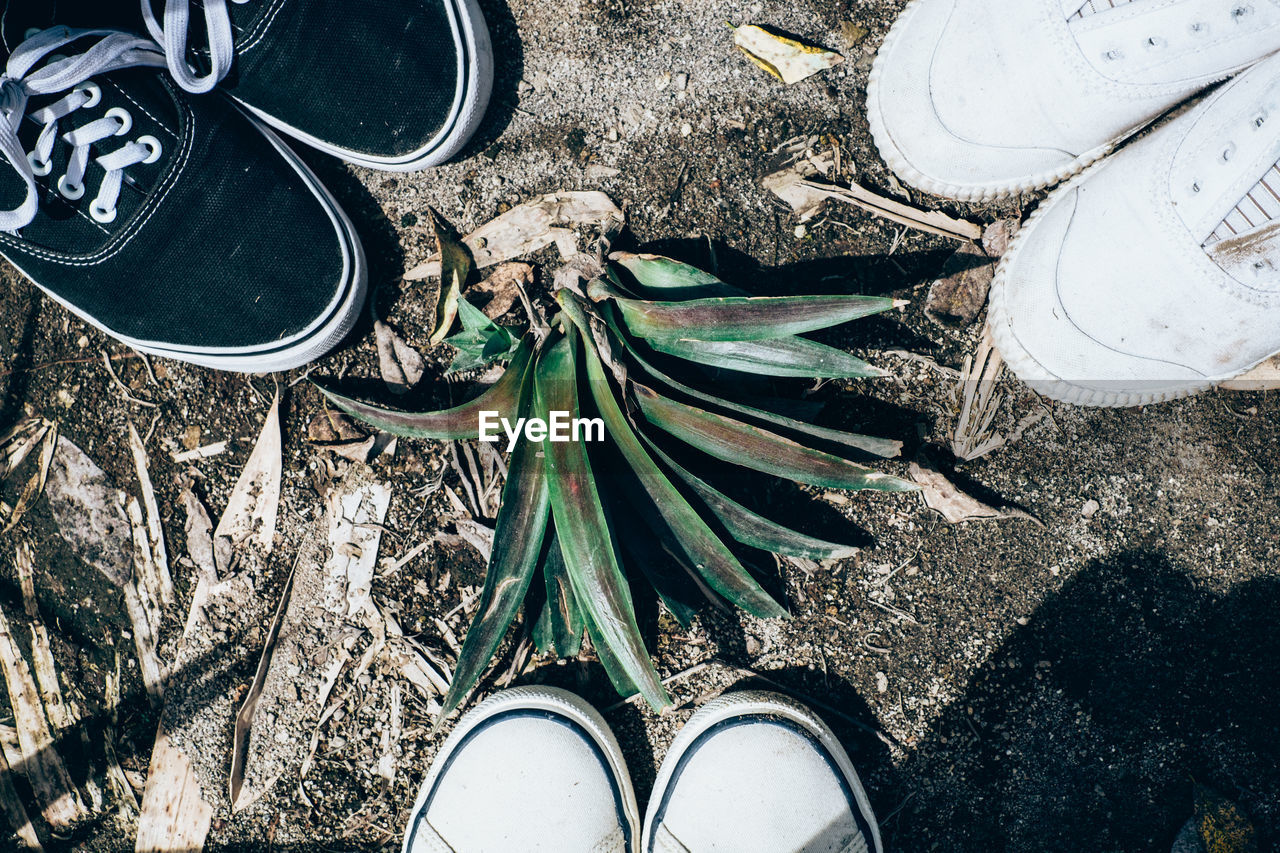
(560, 521)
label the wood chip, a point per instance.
(14, 811)
(159, 558)
(40, 762)
(175, 817)
(974, 435)
(207, 451)
(400, 365)
(527, 228)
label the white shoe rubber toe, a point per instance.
(529, 769)
(756, 772)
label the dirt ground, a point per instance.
(1001, 685)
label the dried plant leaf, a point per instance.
(503, 287)
(251, 510)
(355, 516)
(455, 266)
(960, 293)
(527, 228)
(11, 805)
(19, 441)
(955, 506)
(401, 365)
(244, 719)
(785, 58)
(35, 485)
(975, 435)
(159, 557)
(89, 512)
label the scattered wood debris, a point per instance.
(974, 435)
(89, 511)
(15, 446)
(175, 817)
(785, 58)
(795, 186)
(195, 454)
(37, 759)
(528, 227)
(503, 287)
(955, 506)
(11, 805)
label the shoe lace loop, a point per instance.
(19, 82)
(174, 36)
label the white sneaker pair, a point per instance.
(537, 769)
(1156, 273)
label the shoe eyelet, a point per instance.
(1241, 12)
(1195, 186)
(102, 214)
(1113, 54)
(68, 190)
(1199, 28)
(38, 168)
(153, 145)
(1155, 43)
(94, 91)
(1228, 152)
(1261, 118)
(122, 116)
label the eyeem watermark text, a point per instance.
(559, 427)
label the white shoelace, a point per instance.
(173, 35)
(19, 83)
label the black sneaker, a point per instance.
(179, 226)
(388, 84)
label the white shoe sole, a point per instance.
(551, 699)
(311, 343)
(475, 69)
(756, 703)
(1023, 364)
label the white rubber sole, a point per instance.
(1025, 366)
(551, 699)
(994, 191)
(312, 342)
(475, 70)
(759, 703)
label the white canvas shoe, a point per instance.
(980, 99)
(757, 772)
(1156, 274)
(528, 769)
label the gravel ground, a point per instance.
(1002, 685)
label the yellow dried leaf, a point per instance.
(785, 58)
(455, 266)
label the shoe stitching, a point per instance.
(125, 237)
(147, 112)
(262, 29)
(58, 198)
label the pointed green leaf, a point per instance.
(457, 423)
(567, 622)
(714, 561)
(672, 279)
(482, 343)
(751, 528)
(618, 673)
(737, 318)
(788, 357)
(760, 450)
(517, 544)
(542, 635)
(868, 444)
(595, 577)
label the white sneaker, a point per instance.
(981, 99)
(757, 772)
(529, 769)
(1122, 291)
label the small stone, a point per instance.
(83, 341)
(1090, 508)
(663, 81)
(191, 437)
(686, 129)
(882, 683)
(851, 34)
(753, 646)
(996, 237)
(682, 81)
(801, 231)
